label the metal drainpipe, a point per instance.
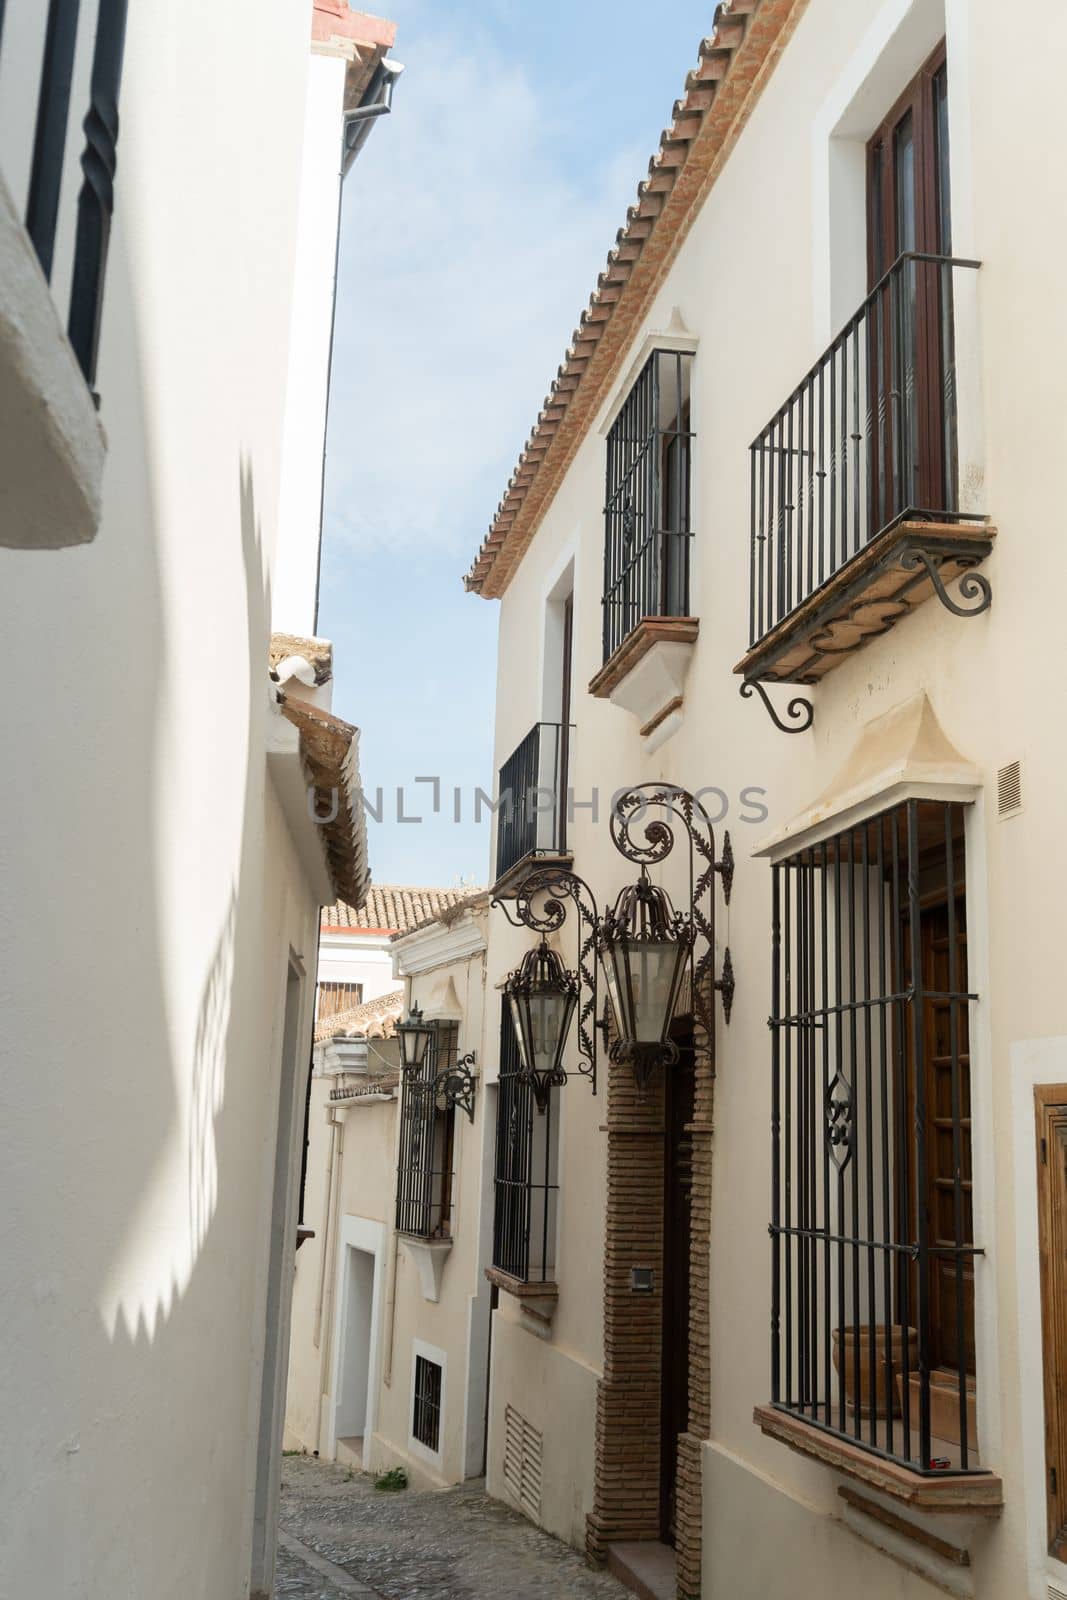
(377, 102)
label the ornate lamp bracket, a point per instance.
(455, 1086)
(540, 905)
(658, 842)
(800, 711)
(973, 585)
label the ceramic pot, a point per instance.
(858, 1384)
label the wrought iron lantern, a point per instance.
(644, 947)
(414, 1035)
(647, 950)
(543, 996)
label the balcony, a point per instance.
(54, 232)
(856, 505)
(532, 801)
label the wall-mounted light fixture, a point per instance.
(454, 1086)
(645, 948)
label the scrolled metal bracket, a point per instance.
(455, 1086)
(973, 585)
(800, 710)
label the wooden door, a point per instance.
(677, 1197)
(1051, 1105)
(911, 446)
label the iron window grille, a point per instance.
(333, 998)
(532, 797)
(526, 1186)
(872, 1227)
(95, 198)
(867, 439)
(427, 1141)
(647, 511)
(426, 1406)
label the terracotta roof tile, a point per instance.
(374, 1019)
(748, 36)
(395, 908)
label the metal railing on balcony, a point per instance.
(532, 797)
(867, 439)
(47, 200)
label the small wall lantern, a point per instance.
(542, 995)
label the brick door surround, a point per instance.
(626, 1498)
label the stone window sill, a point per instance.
(968, 1493)
(646, 675)
(537, 1301)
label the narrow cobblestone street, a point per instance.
(340, 1538)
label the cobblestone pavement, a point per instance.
(449, 1544)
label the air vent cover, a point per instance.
(1056, 1593)
(523, 1447)
(1009, 790)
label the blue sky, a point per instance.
(474, 224)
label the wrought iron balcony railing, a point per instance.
(532, 797)
(49, 211)
(867, 440)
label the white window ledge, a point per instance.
(52, 444)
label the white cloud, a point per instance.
(473, 237)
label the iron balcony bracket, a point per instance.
(800, 710)
(973, 585)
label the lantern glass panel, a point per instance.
(414, 1037)
(652, 968)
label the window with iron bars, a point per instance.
(333, 998)
(872, 1228)
(427, 1139)
(426, 1405)
(647, 509)
(527, 1171)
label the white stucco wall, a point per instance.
(348, 956)
(153, 898)
(760, 282)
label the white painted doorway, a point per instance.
(357, 1329)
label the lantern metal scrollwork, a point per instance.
(647, 950)
(454, 1086)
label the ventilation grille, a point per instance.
(1056, 1593)
(523, 1446)
(1010, 797)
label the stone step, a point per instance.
(646, 1567)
